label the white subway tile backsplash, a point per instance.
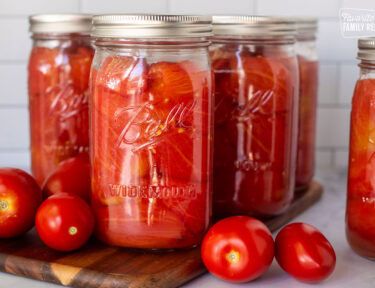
(14, 127)
(349, 74)
(124, 6)
(324, 159)
(338, 70)
(18, 159)
(333, 127)
(332, 46)
(13, 83)
(11, 7)
(15, 39)
(211, 7)
(328, 79)
(317, 8)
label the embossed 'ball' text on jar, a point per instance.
(58, 80)
(256, 108)
(360, 207)
(151, 130)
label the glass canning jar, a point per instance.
(151, 130)
(256, 108)
(360, 209)
(58, 81)
(308, 98)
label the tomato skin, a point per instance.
(64, 222)
(247, 240)
(20, 197)
(70, 176)
(304, 253)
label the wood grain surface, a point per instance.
(100, 266)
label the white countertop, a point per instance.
(327, 215)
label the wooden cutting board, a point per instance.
(97, 265)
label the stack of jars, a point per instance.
(161, 137)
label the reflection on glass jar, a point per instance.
(256, 89)
(151, 136)
(59, 69)
(360, 210)
(308, 98)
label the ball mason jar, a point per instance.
(308, 100)
(360, 209)
(151, 130)
(58, 82)
(256, 105)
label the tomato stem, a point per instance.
(233, 256)
(73, 230)
(4, 206)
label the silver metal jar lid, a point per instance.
(253, 26)
(151, 26)
(61, 23)
(366, 49)
(306, 25)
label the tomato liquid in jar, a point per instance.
(256, 89)
(308, 98)
(58, 80)
(151, 131)
(360, 210)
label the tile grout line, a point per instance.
(13, 62)
(13, 150)
(337, 82)
(14, 16)
(255, 7)
(334, 106)
(333, 158)
(328, 148)
(168, 6)
(13, 106)
(80, 6)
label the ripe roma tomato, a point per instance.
(304, 253)
(71, 176)
(20, 197)
(80, 63)
(64, 222)
(170, 85)
(238, 249)
(43, 69)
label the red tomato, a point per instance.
(124, 75)
(64, 222)
(71, 176)
(304, 253)
(170, 83)
(43, 69)
(20, 197)
(80, 68)
(238, 249)
(170, 86)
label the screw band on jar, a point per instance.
(366, 52)
(151, 26)
(60, 23)
(254, 26)
(306, 27)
